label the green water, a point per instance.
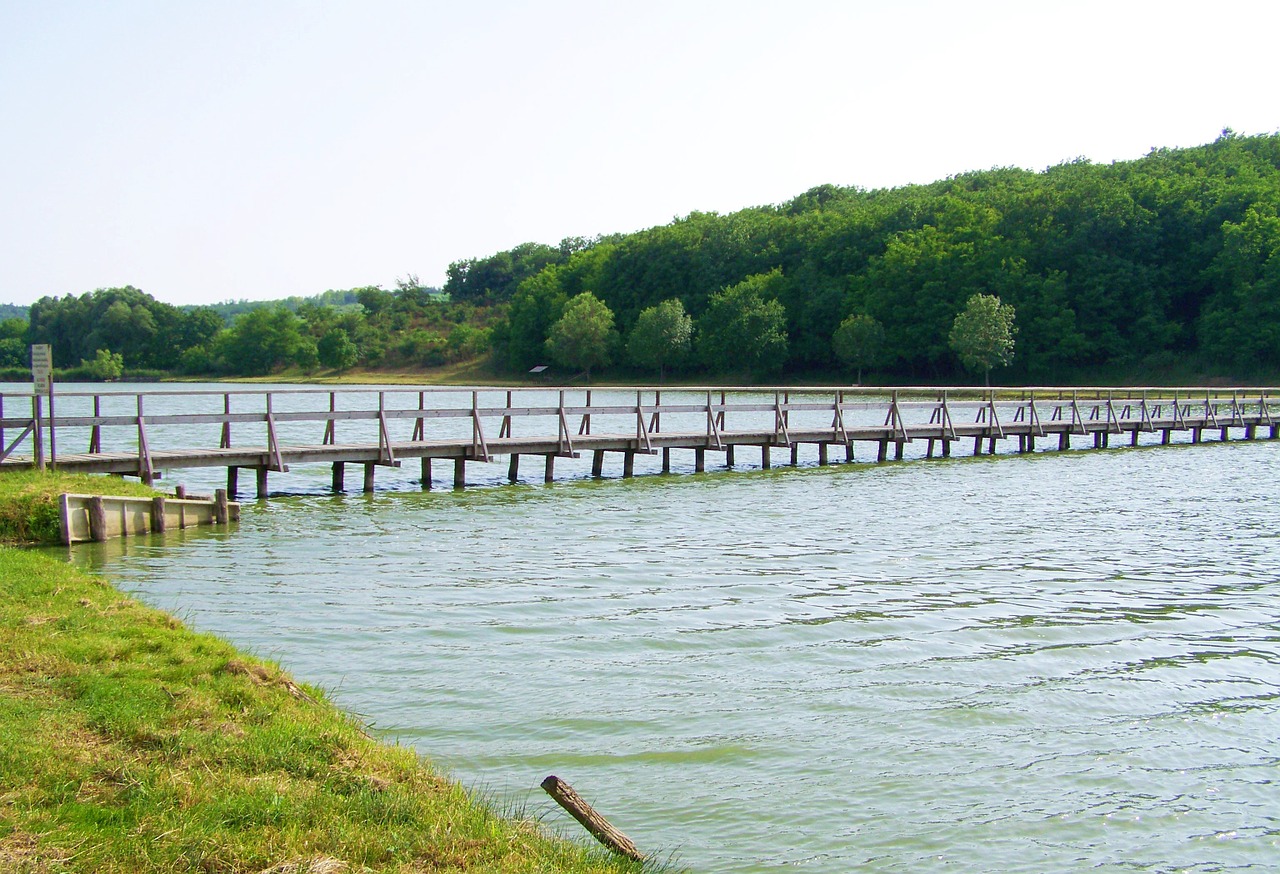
(1062, 662)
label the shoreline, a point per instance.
(129, 742)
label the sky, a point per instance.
(212, 151)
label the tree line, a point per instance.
(1129, 267)
(114, 331)
(1132, 268)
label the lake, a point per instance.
(1044, 663)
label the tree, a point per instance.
(262, 340)
(336, 351)
(535, 308)
(858, 342)
(663, 335)
(982, 334)
(584, 335)
(745, 327)
(105, 365)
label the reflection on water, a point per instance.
(1054, 663)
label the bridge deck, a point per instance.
(1026, 418)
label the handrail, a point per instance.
(786, 407)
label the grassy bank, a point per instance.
(131, 743)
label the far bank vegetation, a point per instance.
(1165, 266)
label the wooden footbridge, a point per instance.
(145, 433)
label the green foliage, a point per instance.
(662, 337)
(535, 308)
(745, 328)
(467, 341)
(104, 367)
(583, 337)
(13, 353)
(1241, 323)
(1109, 266)
(261, 341)
(336, 350)
(983, 334)
(497, 278)
(13, 329)
(859, 342)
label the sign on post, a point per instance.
(42, 368)
(42, 376)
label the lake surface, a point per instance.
(1049, 663)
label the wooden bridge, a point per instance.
(146, 433)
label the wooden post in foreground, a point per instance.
(97, 519)
(601, 829)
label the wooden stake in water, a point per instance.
(601, 829)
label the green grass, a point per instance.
(131, 743)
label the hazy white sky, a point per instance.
(204, 151)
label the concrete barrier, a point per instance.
(102, 517)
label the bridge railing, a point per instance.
(97, 422)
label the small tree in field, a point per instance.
(584, 335)
(663, 335)
(858, 342)
(982, 334)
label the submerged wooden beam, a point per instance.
(601, 829)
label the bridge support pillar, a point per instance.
(822, 454)
(426, 474)
(1250, 432)
(977, 445)
(1195, 435)
(766, 456)
(368, 476)
(628, 464)
(728, 456)
(262, 482)
(549, 474)
(699, 460)
(1225, 435)
(946, 448)
(1133, 438)
(513, 468)
(795, 454)
(459, 473)
(597, 463)
(1165, 436)
(897, 450)
(1097, 439)
(233, 476)
(1031, 443)
(882, 452)
(928, 453)
(1064, 441)
(848, 452)
(666, 459)
(1275, 431)
(339, 476)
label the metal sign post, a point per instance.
(42, 379)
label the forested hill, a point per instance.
(1128, 267)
